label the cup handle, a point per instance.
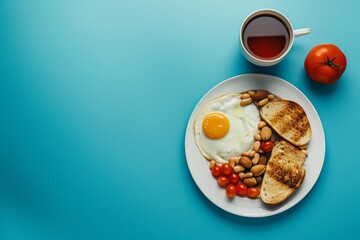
(301, 32)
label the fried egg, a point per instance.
(224, 129)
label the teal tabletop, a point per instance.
(95, 98)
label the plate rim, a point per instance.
(189, 129)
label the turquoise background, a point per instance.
(94, 102)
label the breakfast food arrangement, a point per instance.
(255, 143)
(256, 138)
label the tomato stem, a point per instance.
(330, 63)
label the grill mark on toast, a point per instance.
(291, 118)
(296, 115)
(285, 174)
(281, 116)
(278, 116)
(283, 166)
(302, 125)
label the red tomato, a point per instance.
(253, 192)
(241, 189)
(216, 171)
(226, 169)
(223, 181)
(231, 191)
(325, 63)
(267, 146)
(234, 178)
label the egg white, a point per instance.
(243, 126)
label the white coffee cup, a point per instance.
(268, 23)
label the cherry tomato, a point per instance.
(226, 169)
(223, 181)
(253, 192)
(234, 178)
(325, 63)
(216, 171)
(241, 189)
(231, 191)
(267, 146)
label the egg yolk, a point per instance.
(215, 125)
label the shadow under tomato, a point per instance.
(320, 88)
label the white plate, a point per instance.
(198, 166)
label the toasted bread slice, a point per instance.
(284, 173)
(289, 120)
